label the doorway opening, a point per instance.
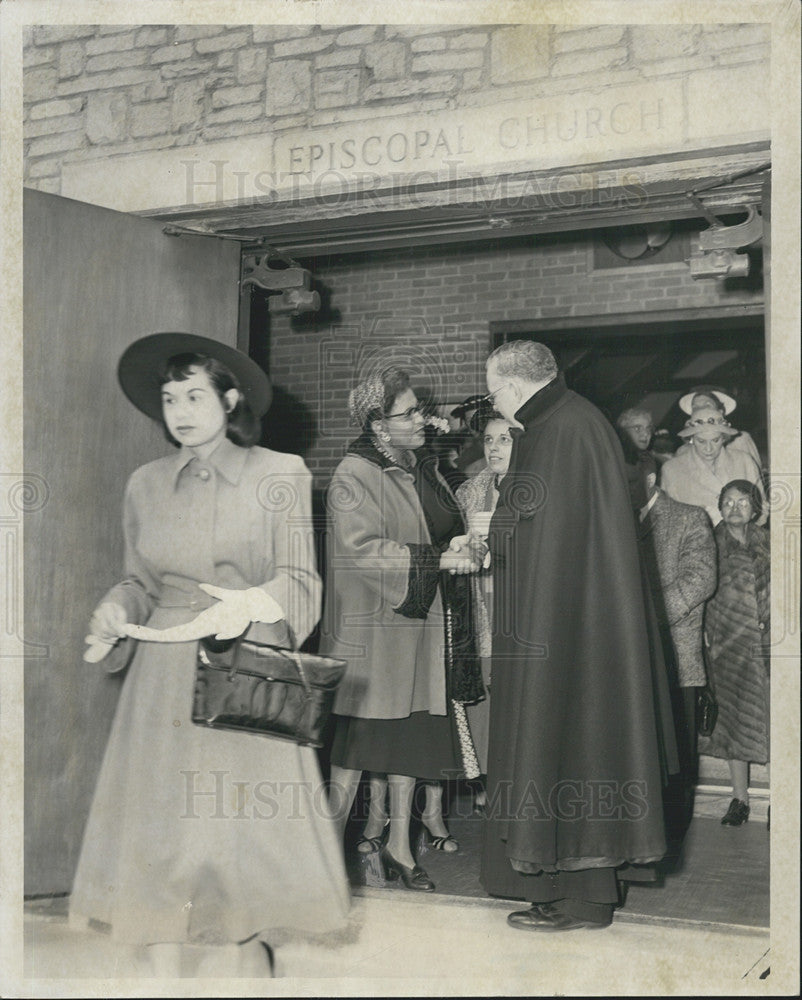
(651, 360)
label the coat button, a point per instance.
(204, 474)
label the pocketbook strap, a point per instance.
(293, 653)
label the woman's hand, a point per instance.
(107, 626)
(471, 546)
(459, 561)
(225, 620)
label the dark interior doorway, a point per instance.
(650, 361)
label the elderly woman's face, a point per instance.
(708, 448)
(498, 445)
(640, 430)
(405, 422)
(736, 507)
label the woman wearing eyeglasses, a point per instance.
(737, 639)
(397, 550)
(698, 475)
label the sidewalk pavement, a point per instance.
(400, 944)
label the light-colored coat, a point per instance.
(479, 494)
(689, 479)
(395, 663)
(194, 834)
(682, 542)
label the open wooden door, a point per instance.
(94, 281)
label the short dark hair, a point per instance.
(524, 359)
(244, 428)
(489, 415)
(748, 489)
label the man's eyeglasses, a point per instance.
(491, 396)
(407, 414)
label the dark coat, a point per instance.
(680, 555)
(574, 776)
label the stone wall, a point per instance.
(92, 92)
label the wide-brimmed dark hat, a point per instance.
(143, 361)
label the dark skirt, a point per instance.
(421, 745)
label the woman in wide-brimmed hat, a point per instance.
(697, 475)
(711, 397)
(200, 837)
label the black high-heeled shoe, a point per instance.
(413, 878)
(374, 843)
(737, 813)
(426, 840)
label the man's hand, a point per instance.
(472, 547)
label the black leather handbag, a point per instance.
(706, 711)
(267, 690)
(706, 704)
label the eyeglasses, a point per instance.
(407, 414)
(491, 396)
(741, 502)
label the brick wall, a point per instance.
(433, 307)
(98, 91)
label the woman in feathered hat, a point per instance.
(190, 840)
(698, 474)
(398, 615)
(711, 397)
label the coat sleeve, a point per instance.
(695, 580)
(138, 591)
(401, 573)
(295, 583)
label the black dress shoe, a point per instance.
(546, 917)
(737, 813)
(413, 878)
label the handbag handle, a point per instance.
(292, 653)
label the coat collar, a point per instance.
(228, 459)
(364, 447)
(542, 400)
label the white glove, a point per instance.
(226, 620)
(106, 627)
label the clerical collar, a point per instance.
(541, 400)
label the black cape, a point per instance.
(574, 769)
